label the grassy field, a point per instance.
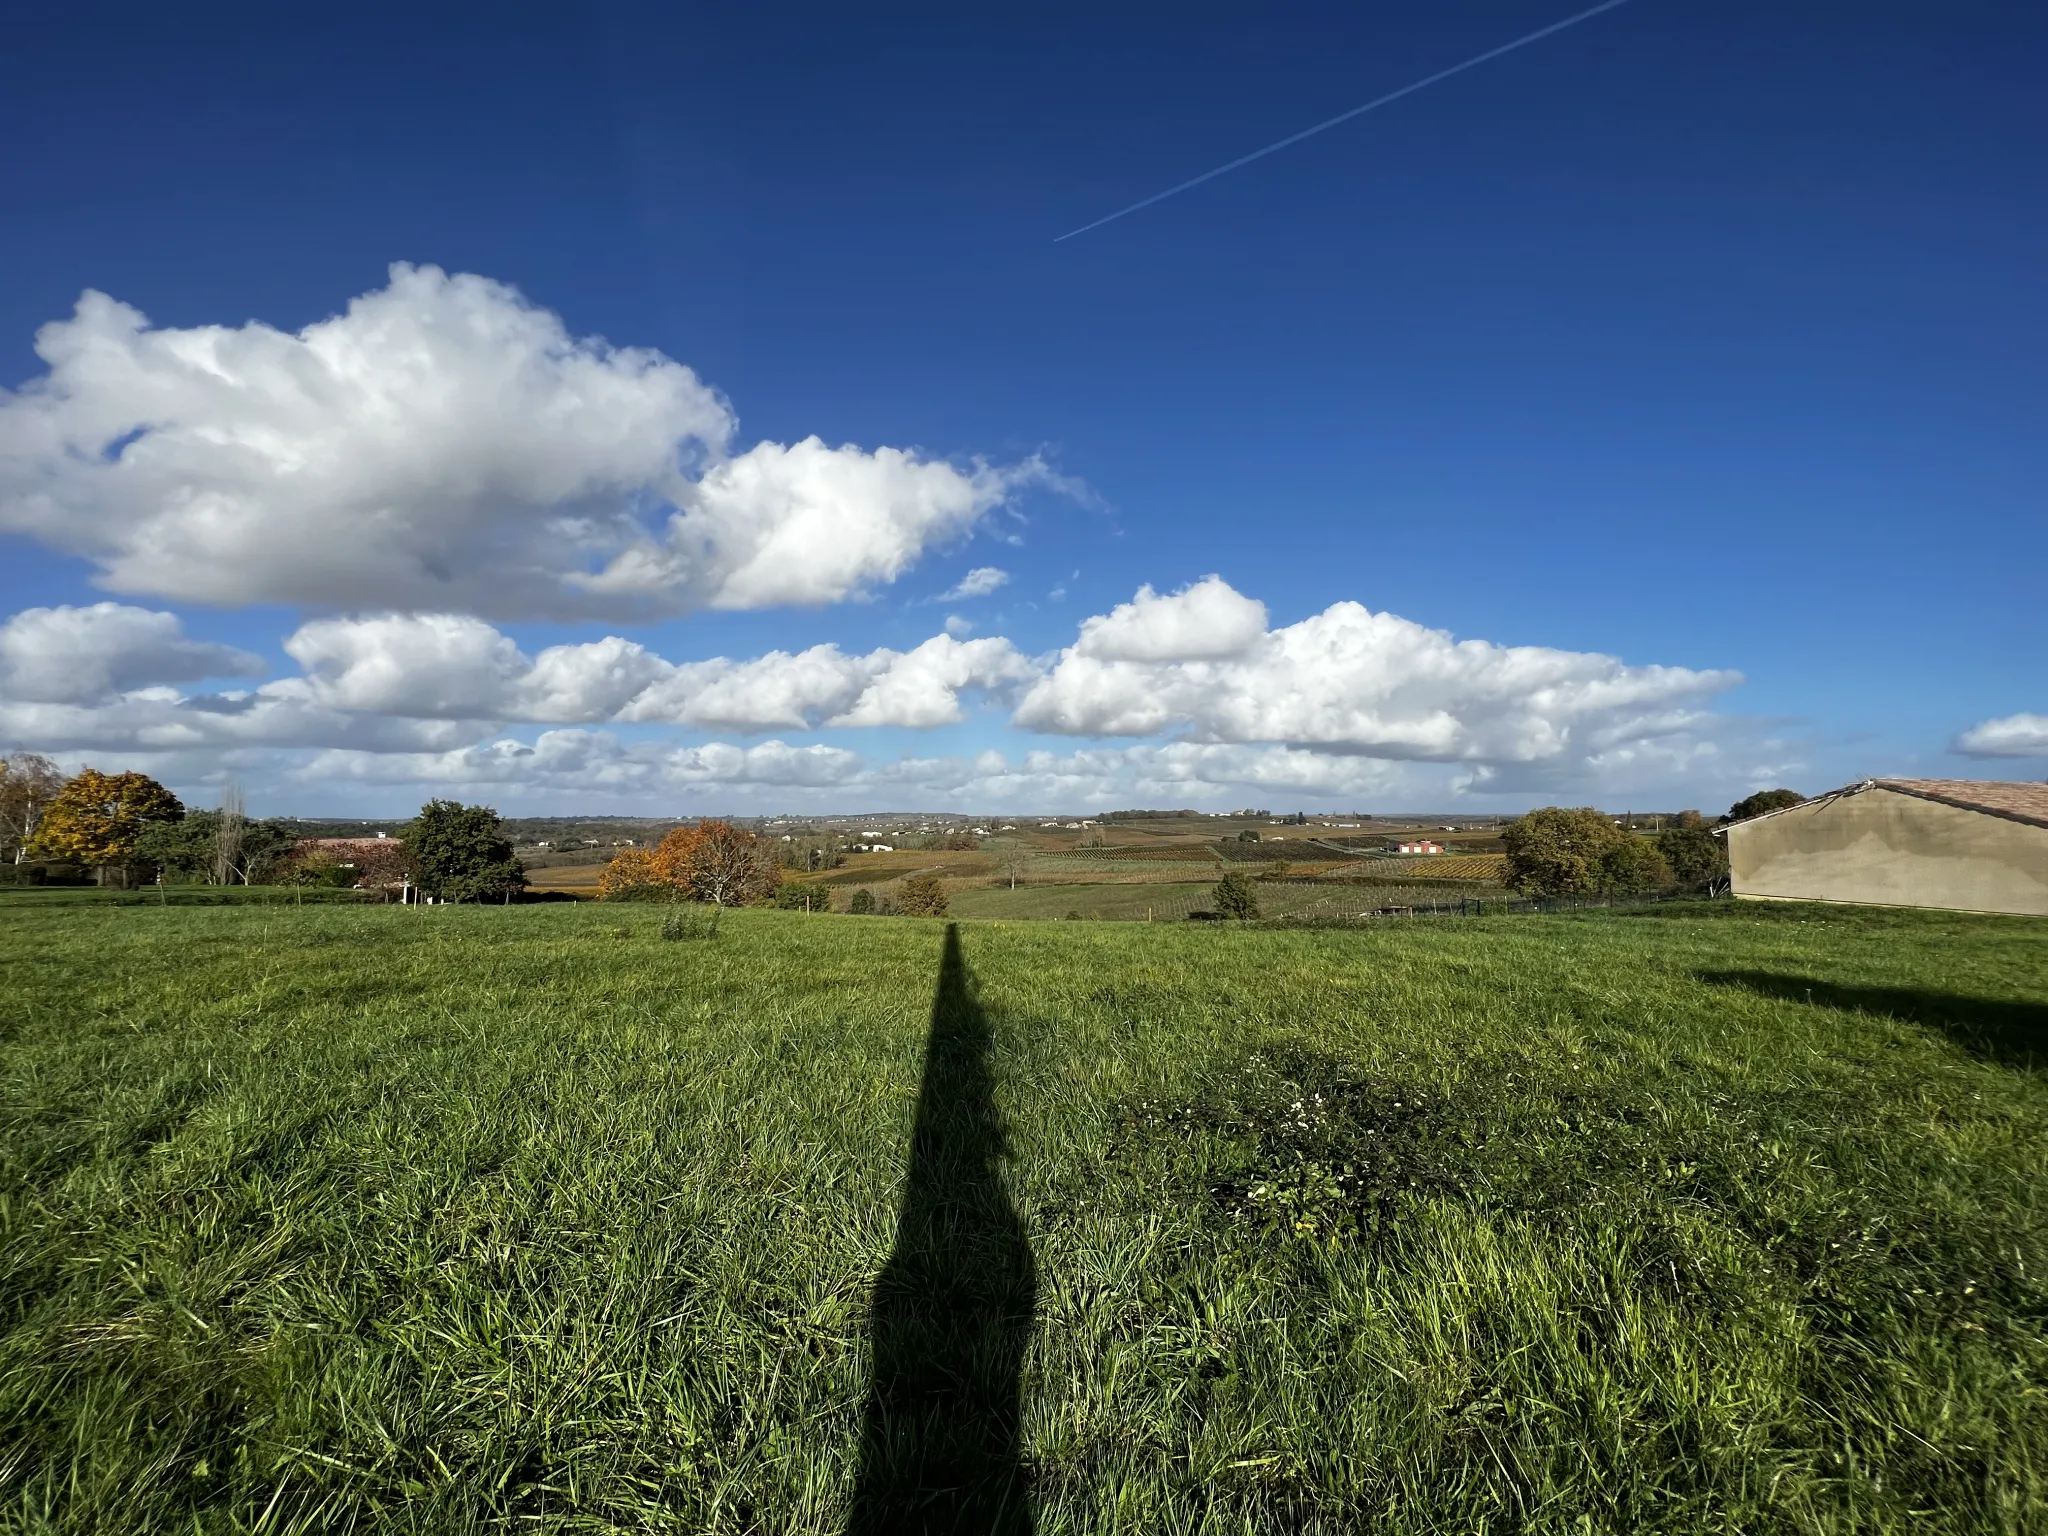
(1725, 1219)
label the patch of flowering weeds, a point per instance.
(1330, 1163)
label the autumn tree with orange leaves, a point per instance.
(712, 861)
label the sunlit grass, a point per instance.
(473, 1219)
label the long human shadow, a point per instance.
(951, 1315)
(2012, 1033)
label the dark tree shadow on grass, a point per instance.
(952, 1310)
(2012, 1033)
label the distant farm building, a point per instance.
(1958, 844)
(1425, 846)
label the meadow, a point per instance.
(1715, 1218)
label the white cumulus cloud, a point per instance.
(2010, 736)
(1202, 664)
(449, 666)
(82, 655)
(445, 445)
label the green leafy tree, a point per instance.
(189, 849)
(921, 896)
(1698, 859)
(1632, 866)
(1233, 897)
(96, 818)
(803, 896)
(458, 853)
(1556, 852)
(1580, 852)
(861, 903)
(1762, 802)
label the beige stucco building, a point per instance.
(1954, 843)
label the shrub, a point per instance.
(861, 903)
(922, 896)
(1233, 897)
(691, 920)
(802, 896)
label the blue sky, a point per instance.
(1689, 342)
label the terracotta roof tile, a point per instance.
(1995, 797)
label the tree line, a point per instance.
(121, 828)
(1580, 851)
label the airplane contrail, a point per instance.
(1345, 117)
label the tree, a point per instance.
(28, 783)
(1233, 897)
(459, 854)
(179, 850)
(197, 848)
(727, 866)
(1556, 852)
(1698, 859)
(671, 856)
(633, 875)
(803, 896)
(861, 902)
(229, 823)
(1580, 852)
(96, 818)
(922, 896)
(1631, 866)
(1764, 800)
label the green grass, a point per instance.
(1708, 1219)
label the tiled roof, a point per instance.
(1994, 797)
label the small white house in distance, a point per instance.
(1425, 846)
(1965, 845)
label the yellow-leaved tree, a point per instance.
(632, 875)
(96, 818)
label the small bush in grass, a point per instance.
(1233, 897)
(861, 903)
(802, 896)
(922, 896)
(692, 920)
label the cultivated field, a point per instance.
(1719, 1219)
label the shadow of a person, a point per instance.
(951, 1315)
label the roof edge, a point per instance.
(1833, 794)
(1913, 788)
